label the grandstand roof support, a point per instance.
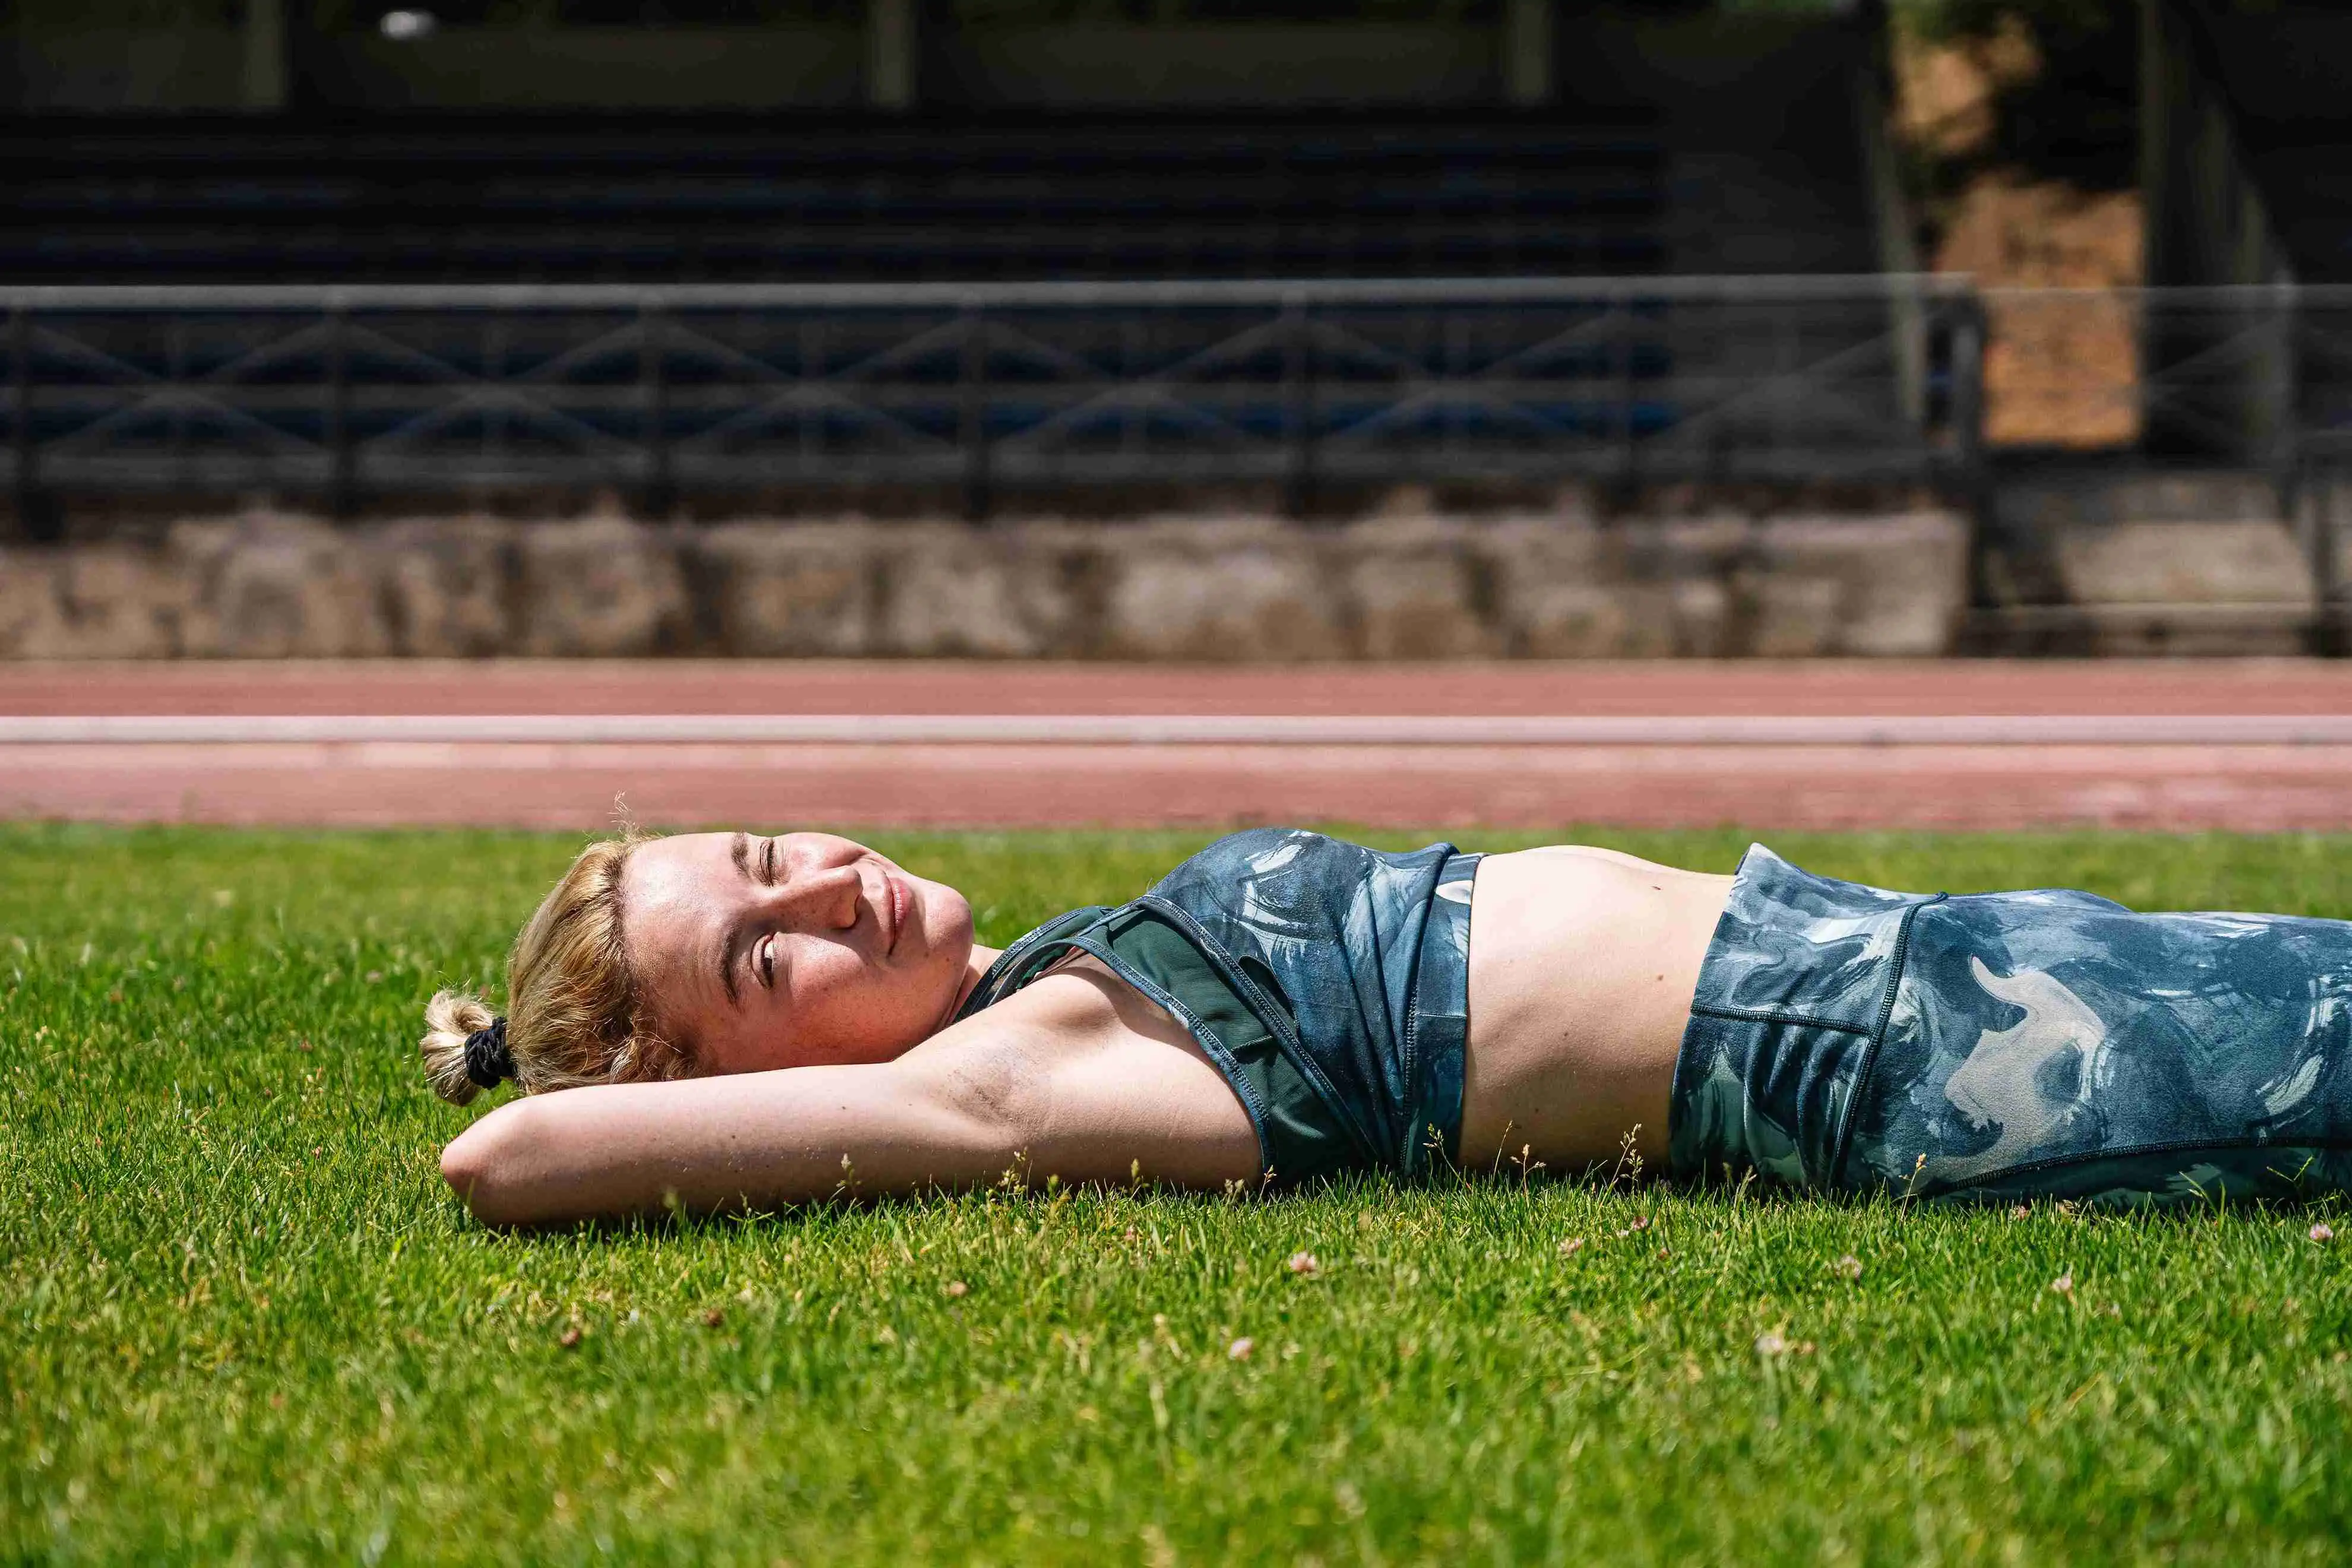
(2220, 383)
(892, 49)
(266, 77)
(1529, 76)
(2208, 224)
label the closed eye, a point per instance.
(768, 862)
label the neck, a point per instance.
(975, 968)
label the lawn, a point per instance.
(240, 1318)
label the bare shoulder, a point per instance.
(1101, 1081)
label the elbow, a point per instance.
(484, 1165)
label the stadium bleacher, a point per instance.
(705, 200)
(1672, 147)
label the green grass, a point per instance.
(240, 1319)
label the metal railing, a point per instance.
(2259, 375)
(351, 392)
(2256, 378)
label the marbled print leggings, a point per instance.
(2014, 1044)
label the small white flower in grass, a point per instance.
(2322, 1232)
(957, 1288)
(1304, 1265)
(1848, 1268)
(2064, 1283)
(1239, 1349)
(1771, 1342)
(1572, 1246)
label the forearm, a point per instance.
(710, 1144)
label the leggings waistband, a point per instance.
(1438, 1022)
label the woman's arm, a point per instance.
(720, 1142)
(1076, 1076)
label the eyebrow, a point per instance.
(739, 851)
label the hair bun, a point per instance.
(456, 1067)
(488, 1061)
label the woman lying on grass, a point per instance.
(758, 1021)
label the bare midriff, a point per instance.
(1582, 965)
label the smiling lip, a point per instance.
(898, 891)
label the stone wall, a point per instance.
(1409, 584)
(2095, 564)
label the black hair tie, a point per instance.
(488, 1061)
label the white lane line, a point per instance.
(1177, 729)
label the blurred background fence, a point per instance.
(348, 392)
(2256, 376)
(338, 395)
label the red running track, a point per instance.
(2244, 786)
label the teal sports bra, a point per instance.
(1328, 982)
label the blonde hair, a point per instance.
(573, 1014)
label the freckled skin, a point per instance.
(804, 922)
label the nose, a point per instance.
(813, 896)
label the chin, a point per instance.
(947, 923)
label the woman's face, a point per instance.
(793, 950)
